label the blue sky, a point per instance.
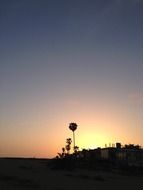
(67, 60)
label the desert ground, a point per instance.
(26, 174)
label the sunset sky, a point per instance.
(65, 61)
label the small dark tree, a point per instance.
(62, 155)
(76, 148)
(68, 146)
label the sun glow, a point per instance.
(91, 140)
(91, 134)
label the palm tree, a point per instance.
(68, 146)
(73, 127)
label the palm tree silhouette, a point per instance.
(68, 146)
(73, 127)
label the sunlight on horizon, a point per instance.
(94, 130)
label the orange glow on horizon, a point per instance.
(91, 141)
(46, 138)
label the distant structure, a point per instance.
(73, 127)
(118, 155)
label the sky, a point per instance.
(65, 61)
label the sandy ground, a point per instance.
(25, 174)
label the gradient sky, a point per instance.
(65, 61)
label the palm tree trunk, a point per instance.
(73, 142)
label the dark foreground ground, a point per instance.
(26, 174)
